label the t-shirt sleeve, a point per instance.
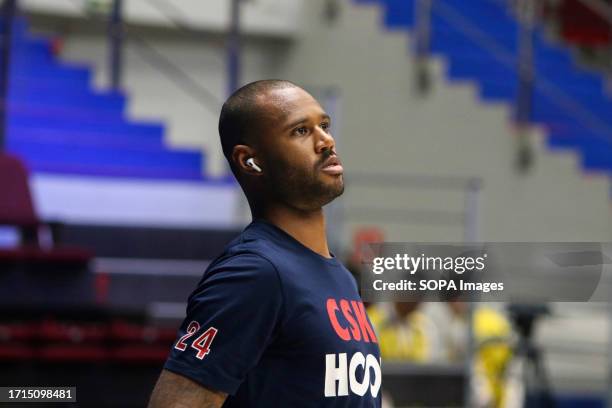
(231, 318)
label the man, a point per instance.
(276, 320)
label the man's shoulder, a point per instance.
(248, 257)
(242, 268)
(249, 246)
(246, 251)
(242, 255)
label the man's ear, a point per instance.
(240, 155)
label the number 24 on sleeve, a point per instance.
(201, 343)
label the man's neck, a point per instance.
(306, 227)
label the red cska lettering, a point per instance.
(353, 312)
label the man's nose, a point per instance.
(325, 141)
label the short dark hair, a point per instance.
(241, 113)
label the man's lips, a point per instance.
(332, 166)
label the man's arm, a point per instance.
(175, 391)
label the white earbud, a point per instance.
(251, 163)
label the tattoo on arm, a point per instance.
(175, 391)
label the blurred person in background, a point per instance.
(405, 333)
(276, 319)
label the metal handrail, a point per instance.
(176, 16)
(175, 74)
(168, 68)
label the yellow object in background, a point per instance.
(492, 333)
(404, 333)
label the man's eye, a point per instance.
(301, 131)
(325, 126)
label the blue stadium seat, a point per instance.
(58, 124)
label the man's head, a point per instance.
(287, 134)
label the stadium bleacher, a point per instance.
(480, 42)
(58, 124)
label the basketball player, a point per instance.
(276, 320)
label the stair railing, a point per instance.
(156, 59)
(233, 46)
(422, 39)
(523, 104)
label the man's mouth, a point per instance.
(333, 166)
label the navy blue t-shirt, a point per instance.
(274, 324)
